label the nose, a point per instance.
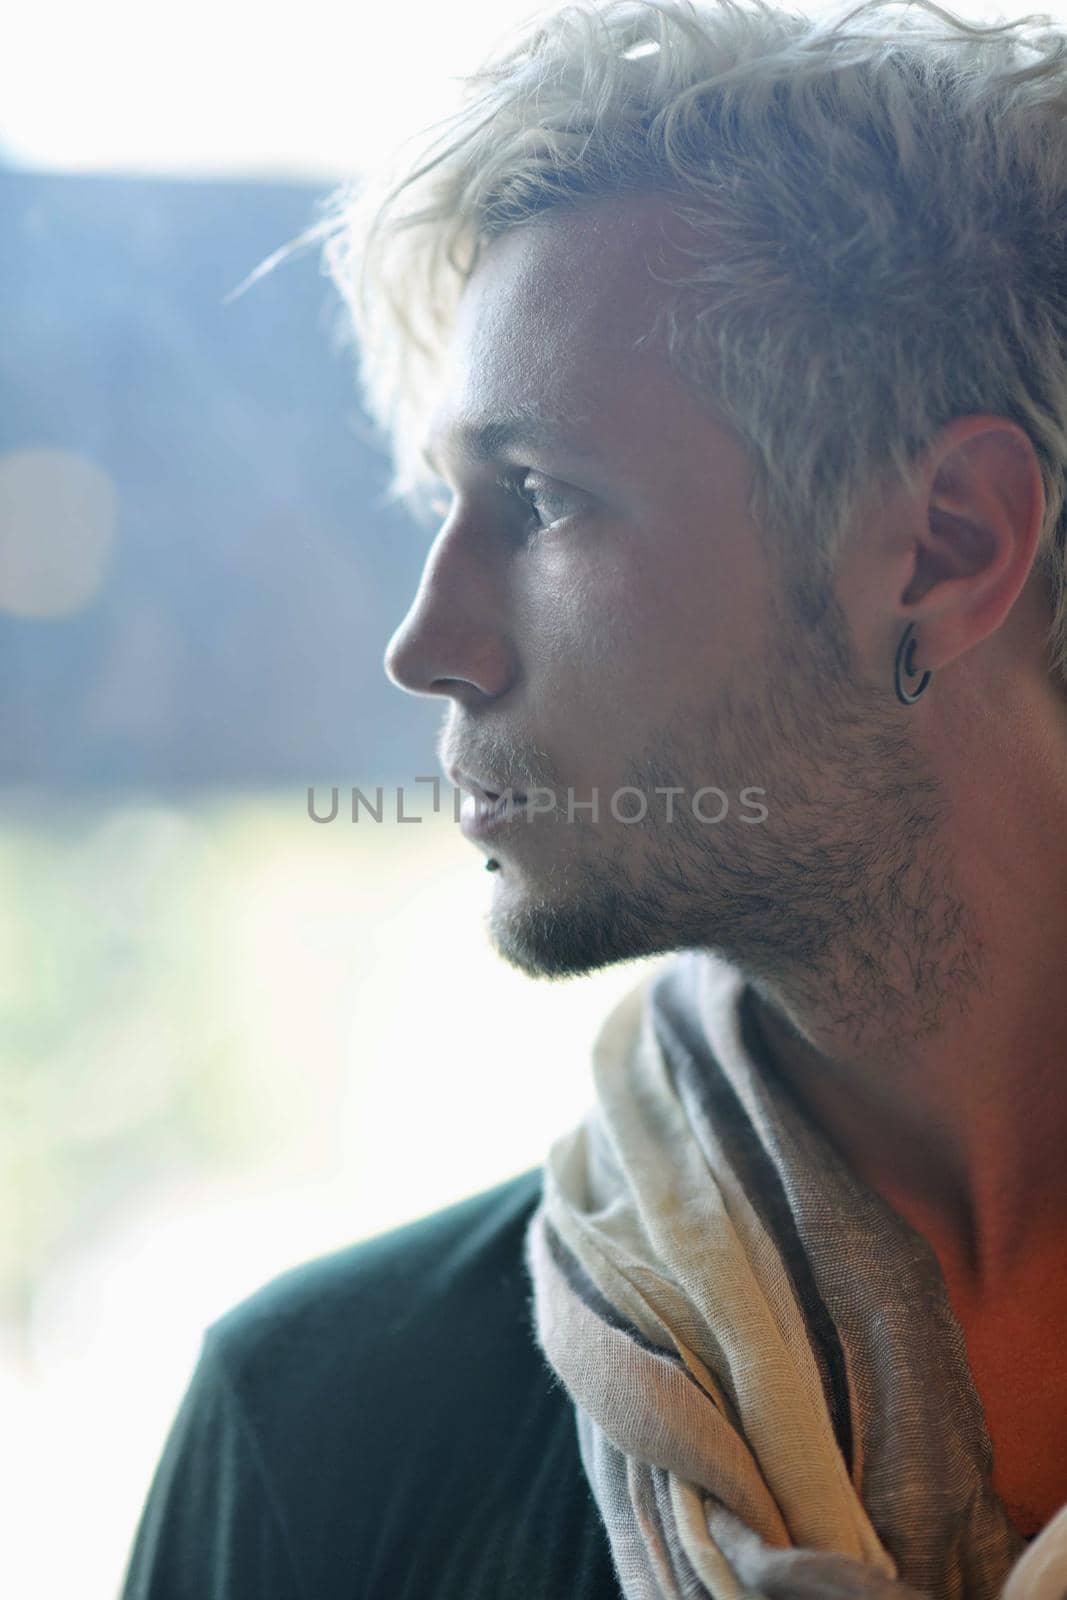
(453, 640)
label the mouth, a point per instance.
(487, 808)
(481, 791)
(486, 813)
(494, 797)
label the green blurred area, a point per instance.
(231, 1039)
(139, 945)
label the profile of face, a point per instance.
(610, 633)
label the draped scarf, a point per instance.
(772, 1395)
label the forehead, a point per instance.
(555, 324)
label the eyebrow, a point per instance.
(493, 437)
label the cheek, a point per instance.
(600, 638)
(702, 597)
(563, 602)
(583, 617)
(629, 616)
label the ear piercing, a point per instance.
(905, 662)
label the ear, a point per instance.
(975, 529)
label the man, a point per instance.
(739, 343)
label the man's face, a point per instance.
(602, 617)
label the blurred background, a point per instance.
(230, 1038)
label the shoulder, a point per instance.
(360, 1374)
(447, 1269)
(381, 1420)
(377, 1384)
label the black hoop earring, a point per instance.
(906, 661)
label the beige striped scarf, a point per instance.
(771, 1392)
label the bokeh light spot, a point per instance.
(57, 524)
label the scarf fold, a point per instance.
(771, 1392)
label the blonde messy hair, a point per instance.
(879, 197)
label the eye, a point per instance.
(539, 507)
(544, 509)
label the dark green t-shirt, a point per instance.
(380, 1425)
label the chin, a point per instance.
(552, 941)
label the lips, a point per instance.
(482, 818)
(493, 795)
(489, 791)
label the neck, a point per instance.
(944, 1086)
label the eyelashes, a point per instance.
(540, 510)
(515, 486)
